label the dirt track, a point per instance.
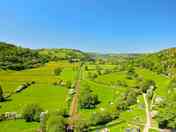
(74, 104)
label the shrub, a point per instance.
(58, 71)
(32, 113)
(88, 100)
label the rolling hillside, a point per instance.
(18, 58)
(162, 62)
(64, 54)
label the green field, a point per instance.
(18, 126)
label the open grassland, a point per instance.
(48, 96)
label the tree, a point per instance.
(32, 112)
(88, 100)
(56, 123)
(1, 94)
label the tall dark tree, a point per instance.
(1, 94)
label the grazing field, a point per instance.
(43, 92)
(18, 126)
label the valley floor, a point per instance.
(52, 97)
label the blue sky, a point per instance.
(90, 25)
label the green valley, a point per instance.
(58, 90)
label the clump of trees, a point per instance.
(167, 115)
(56, 123)
(88, 100)
(101, 118)
(32, 112)
(58, 71)
(131, 74)
(130, 96)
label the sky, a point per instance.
(116, 26)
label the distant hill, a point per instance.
(113, 58)
(64, 54)
(163, 61)
(18, 58)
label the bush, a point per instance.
(56, 124)
(88, 100)
(58, 71)
(32, 112)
